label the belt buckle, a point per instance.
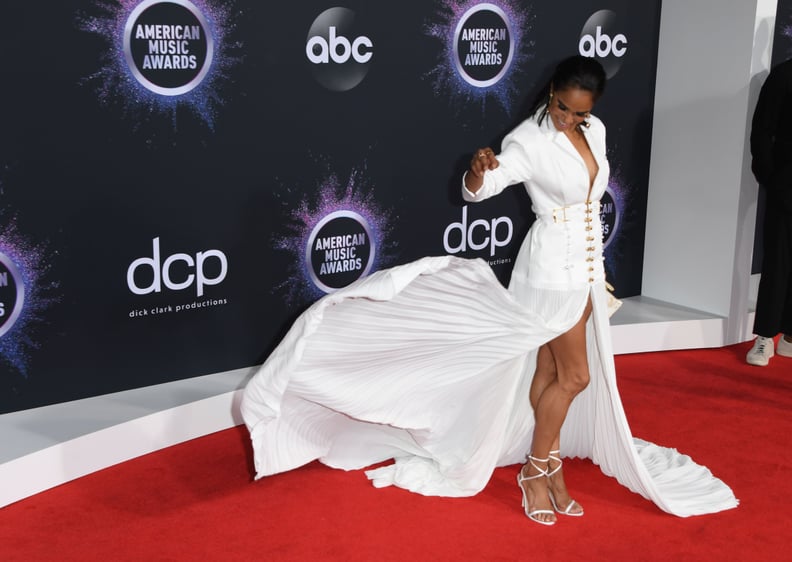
(562, 212)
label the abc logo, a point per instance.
(602, 45)
(478, 235)
(338, 54)
(161, 272)
(319, 48)
(599, 39)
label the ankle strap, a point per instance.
(542, 471)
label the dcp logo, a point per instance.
(12, 293)
(168, 46)
(600, 39)
(340, 56)
(340, 250)
(178, 271)
(478, 235)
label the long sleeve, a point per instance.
(514, 166)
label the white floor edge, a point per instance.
(55, 465)
(46, 447)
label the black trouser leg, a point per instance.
(774, 301)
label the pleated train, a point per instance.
(430, 364)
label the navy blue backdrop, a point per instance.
(179, 179)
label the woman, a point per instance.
(435, 365)
(559, 154)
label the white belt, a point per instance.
(571, 212)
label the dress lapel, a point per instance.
(599, 155)
(562, 141)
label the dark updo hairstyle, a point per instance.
(577, 71)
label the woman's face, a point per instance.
(570, 107)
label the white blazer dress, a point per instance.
(430, 363)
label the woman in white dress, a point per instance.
(434, 364)
(559, 155)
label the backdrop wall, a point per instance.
(179, 179)
(700, 180)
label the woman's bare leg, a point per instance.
(557, 485)
(546, 373)
(550, 398)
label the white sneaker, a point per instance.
(761, 352)
(784, 347)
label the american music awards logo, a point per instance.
(163, 55)
(26, 292)
(484, 47)
(336, 237)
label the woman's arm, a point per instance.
(489, 174)
(484, 159)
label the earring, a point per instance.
(549, 101)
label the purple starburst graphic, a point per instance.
(330, 197)
(33, 263)
(445, 76)
(622, 199)
(116, 83)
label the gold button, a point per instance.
(591, 280)
(589, 259)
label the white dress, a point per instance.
(430, 363)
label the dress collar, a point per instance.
(560, 139)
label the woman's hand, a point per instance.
(483, 160)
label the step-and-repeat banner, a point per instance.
(179, 179)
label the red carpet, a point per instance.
(196, 501)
